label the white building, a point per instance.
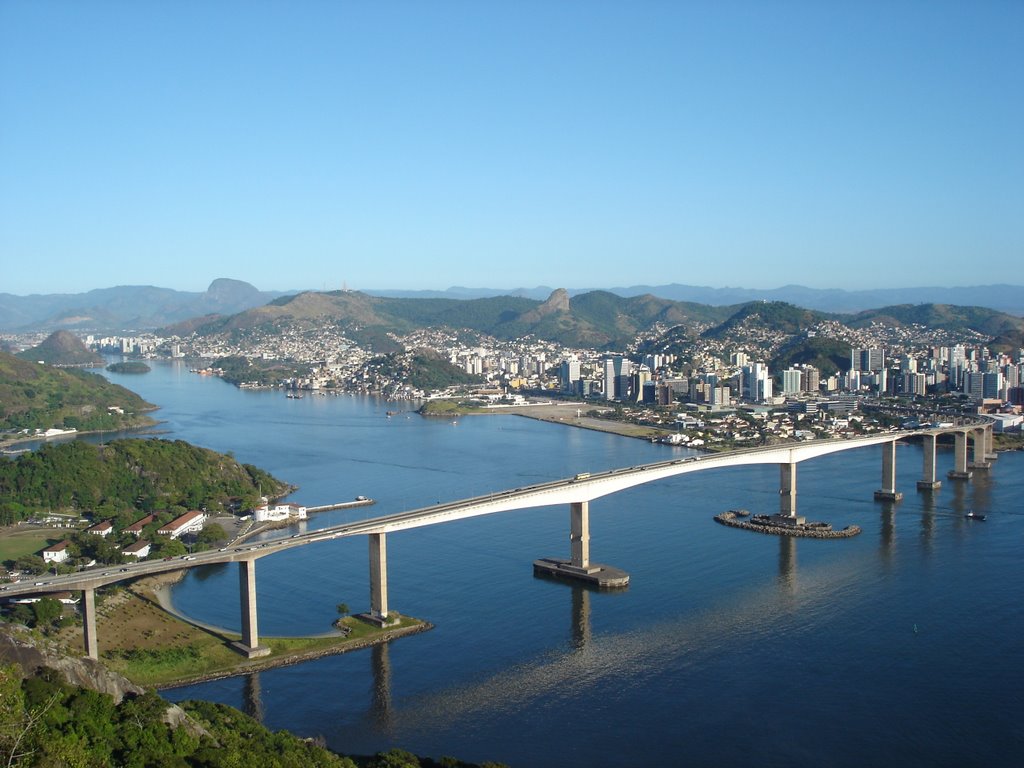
(190, 522)
(138, 549)
(56, 553)
(279, 512)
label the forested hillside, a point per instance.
(34, 396)
(127, 475)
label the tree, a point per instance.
(343, 609)
(46, 611)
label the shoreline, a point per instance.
(157, 590)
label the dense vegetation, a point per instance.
(262, 373)
(46, 723)
(130, 366)
(827, 355)
(127, 476)
(34, 396)
(422, 369)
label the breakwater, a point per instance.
(768, 524)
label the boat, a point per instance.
(972, 515)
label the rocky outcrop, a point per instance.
(19, 646)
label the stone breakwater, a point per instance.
(764, 524)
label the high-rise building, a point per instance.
(617, 377)
(871, 359)
(569, 374)
(756, 383)
(791, 384)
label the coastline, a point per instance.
(151, 597)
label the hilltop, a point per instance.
(62, 348)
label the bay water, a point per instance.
(901, 646)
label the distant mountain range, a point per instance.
(1000, 297)
(139, 308)
(598, 319)
(125, 307)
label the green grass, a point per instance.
(15, 543)
(208, 654)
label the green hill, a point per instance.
(62, 348)
(947, 317)
(34, 396)
(137, 475)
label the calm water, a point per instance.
(902, 646)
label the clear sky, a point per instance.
(579, 144)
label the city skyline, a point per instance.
(421, 147)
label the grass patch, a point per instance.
(20, 540)
(152, 648)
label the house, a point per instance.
(101, 529)
(138, 550)
(278, 512)
(56, 553)
(135, 529)
(190, 522)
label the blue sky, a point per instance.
(422, 145)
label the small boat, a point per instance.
(972, 515)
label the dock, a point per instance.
(359, 501)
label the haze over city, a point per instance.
(420, 146)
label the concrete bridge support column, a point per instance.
(92, 646)
(978, 449)
(888, 490)
(960, 470)
(249, 645)
(990, 449)
(378, 580)
(928, 482)
(579, 534)
(787, 490)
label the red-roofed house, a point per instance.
(138, 550)
(101, 529)
(135, 529)
(190, 522)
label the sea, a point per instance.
(903, 646)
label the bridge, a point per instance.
(577, 492)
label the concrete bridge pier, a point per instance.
(92, 647)
(979, 446)
(990, 449)
(379, 613)
(249, 646)
(929, 482)
(579, 567)
(959, 470)
(787, 490)
(888, 490)
(579, 534)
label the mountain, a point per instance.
(1000, 297)
(126, 307)
(62, 348)
(597, 319)
(148, 307)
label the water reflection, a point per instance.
(380, 703)
(787, 564)
(581, 632)
(887, 531)
(252, 701)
